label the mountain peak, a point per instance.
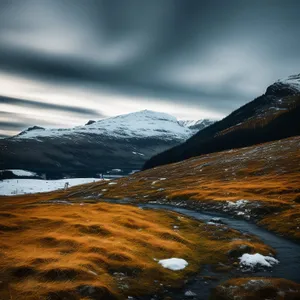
(146, 114)
(292, 80)
(285, 87)
(33, 128)
(90, 122)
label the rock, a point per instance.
(61, 295)
(190, 294)
(95, 292)
(90, 122)
(216, 220)
(237, 252)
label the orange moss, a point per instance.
(53, 250)
(285, 223)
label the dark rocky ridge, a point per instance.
(272, 116)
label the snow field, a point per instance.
(10, 187)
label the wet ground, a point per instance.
(288, 253)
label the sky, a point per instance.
(63, 62)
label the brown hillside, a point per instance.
(266, 175)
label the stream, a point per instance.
(288, 254)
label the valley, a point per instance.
(149, 150)
(179, 211)
(259, 183)
(215, 217)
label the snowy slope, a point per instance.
(192, 123)
(196, 124)
(188, 123)
(134, 125)
(293, 81)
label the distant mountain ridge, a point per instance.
(199, 124)
(272, 116)
(144, 123)
(123, 142)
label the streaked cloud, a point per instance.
(90, 59)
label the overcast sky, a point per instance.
(63, 62)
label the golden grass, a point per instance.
(257, 288)
(268, 173)
(55, 251)
(285, 223)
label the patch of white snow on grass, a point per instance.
(112, 183)
(253, 260)
(173, 264)
(213, 223)
(190, 294)
(237, 204)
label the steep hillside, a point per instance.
(261, 182)
(272, 116)
(123, 142)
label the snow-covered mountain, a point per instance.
(123, 142)
(196, 124)
(142, 124)
(292, 81)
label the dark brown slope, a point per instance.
(272, 116)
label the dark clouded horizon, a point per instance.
(63, 62)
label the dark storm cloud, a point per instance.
(72, 71)
(42, 105)
(12, 125)
(212, 54)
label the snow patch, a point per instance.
(213, 223)
(173, 264)
(293, 80)
(138, 153)
(253, 260)
(29, 186)
(190, 294)
(237, 204)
